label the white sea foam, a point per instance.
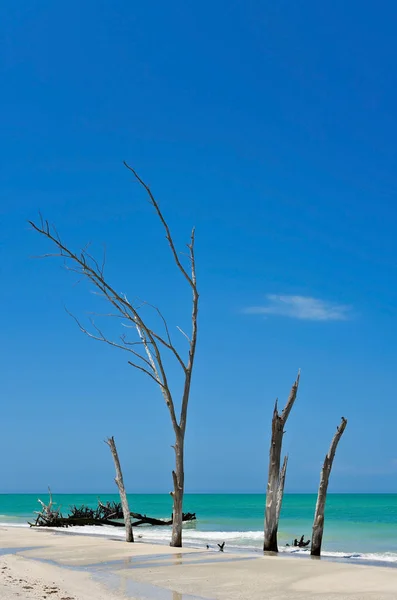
(236, 541)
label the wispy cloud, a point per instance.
(301, 307)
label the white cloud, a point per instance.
(301, 307)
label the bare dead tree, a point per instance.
(318, 524)
(280, 491)
(148, 350)
(271, 512)
(129, 536)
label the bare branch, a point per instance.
(49, 255)
(164, 388)
(193, 341)
(102, 338)
(168, 344)
(147, 349)
(154, 203)
(111, 315)
(158, 311)
(291, 399)
(126, 343)
(160, 383)
(117, 300)
(120, 303)
(94, 261)
(183, 333)
(103, 260)
(192, 257)
(85, 269)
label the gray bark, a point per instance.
(129, 536)
(178, 477)
(318, 523)
(280, 491)
(278, 424)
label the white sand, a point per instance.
(146, 571)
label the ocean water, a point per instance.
(357, 527)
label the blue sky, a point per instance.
(272, 128)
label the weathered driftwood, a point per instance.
(68, 521)
(271, 513)
(48, 515)
(301, 543)
(78, 515)
(318, 524)
(280, 491)
(109, 510)
(129, 536)
(144, 520)
(71, 521)
(149, 351)
(110, 513)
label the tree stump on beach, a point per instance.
(273, 497)
(318, 524)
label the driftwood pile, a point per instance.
(301, 543)
(110, 513)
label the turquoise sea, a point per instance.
(358, 526)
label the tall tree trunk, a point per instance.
(271, 525)
(278, 424)
(318, 524)
(149, 353)
(178, 477)
(129, 536)
(280, 491)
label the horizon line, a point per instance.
(115, 493)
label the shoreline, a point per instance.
(88, 568)
(355, 558)
(359, 527)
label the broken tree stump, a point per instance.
(272, 489)
(318, 523)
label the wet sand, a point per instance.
(42, 564)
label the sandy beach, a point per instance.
(42, 564)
